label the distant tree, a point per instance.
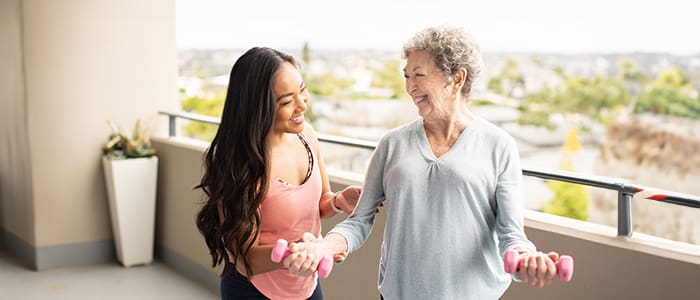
(538, 61)
(600, 99)
(634, 80)
(508, 80)
(536, 109)
(306, 53)
(572, 142)
(559, 70)
(604, 98)
(570, 199)
(630, 72)
(329, 85)
(208, 106)
(389, 76)
(309, 114)
(481, 102)
(670, 94)
(495, 85)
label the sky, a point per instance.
(539, 26)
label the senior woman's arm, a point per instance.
(536, 268)
(509, 201)
(350, 234)
(356, 228)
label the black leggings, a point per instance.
(236, 287)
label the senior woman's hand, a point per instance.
(306, 255)
(538, 269)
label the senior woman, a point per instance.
(450, 182)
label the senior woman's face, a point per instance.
(429, 89)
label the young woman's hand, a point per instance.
(347, 199)
(306, 255)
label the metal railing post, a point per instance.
(171, 125)
(624, 213)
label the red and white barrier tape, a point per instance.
(649, 194)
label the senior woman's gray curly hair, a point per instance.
(452, 48)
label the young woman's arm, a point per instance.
(258, 256)
(331, 203)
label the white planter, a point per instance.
(131, 189)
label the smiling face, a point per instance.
(432, 93)
(291, 96)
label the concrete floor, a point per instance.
(102, 281)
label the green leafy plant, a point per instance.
(121, 145)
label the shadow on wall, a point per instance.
(2, 220)
(2, 229)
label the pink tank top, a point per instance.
(287, 212)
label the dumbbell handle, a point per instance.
(565, 265)
(281, 250)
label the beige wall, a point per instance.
(178, 203)
(85, 62)
(16, 207)
(606, 266)
(88, 62)
(179, 243)
(611, 267)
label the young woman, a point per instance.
(265, 180)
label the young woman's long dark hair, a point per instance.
(236, 164)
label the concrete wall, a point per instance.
(606, 266)
(16, 207)
(611, 267)
(181, 246)
(179, 243)
(85, 62)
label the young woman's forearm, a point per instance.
(260, 262)
(325, 207)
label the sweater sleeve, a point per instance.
(509, 201)
(357, 227)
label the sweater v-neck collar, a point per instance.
(424, 144)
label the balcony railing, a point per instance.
(627, 192)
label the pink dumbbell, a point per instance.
(280, 251)
(565, 265)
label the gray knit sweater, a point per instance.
(449, 219)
